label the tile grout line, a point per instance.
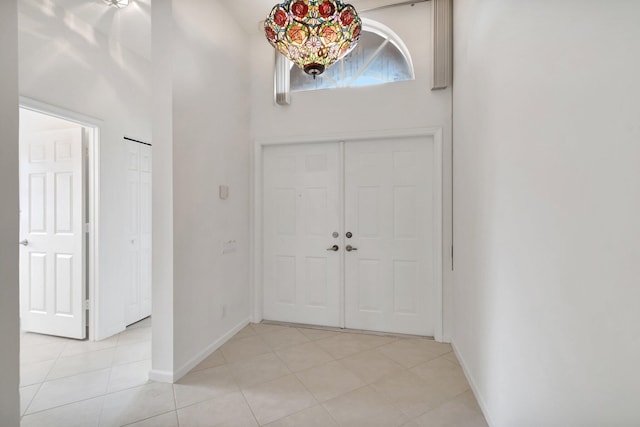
(242, 390)
(248, 406)
(43, 382)
(273, 351)
(104, 399)
(175, 403)
(148, 418)
(102, 395)
(108, 381)
(318, 403)
(55, 361)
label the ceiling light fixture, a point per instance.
(313, 33)
(117, 3)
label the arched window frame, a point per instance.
(284, 66)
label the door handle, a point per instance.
(25, 242)
(350, 248)
(334, 248)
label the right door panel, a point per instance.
(389, 210)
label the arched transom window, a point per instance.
(380, 57)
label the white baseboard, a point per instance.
(195, 361)
(472, 383)
(172, 377)
(161, 376)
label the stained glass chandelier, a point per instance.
(117, 3)
(313, 34)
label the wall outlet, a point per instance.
(229, 247)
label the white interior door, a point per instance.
(52, 285)
(389, 211)
(302, 209)
(138, 293)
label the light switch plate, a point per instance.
(223, 192)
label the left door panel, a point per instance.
(52, 285)
(301, 253)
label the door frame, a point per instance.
(92, 126)
(256, 232)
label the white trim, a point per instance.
(442, 42)
(61, 113)
(350, 136)
(172, 377)
(93, 126)
(438, 226)
(161, 376)
(385, 32)
(342, 229)
(257, 226)
(472, 384)
(256, 236)
(282, 69)
(93, 219)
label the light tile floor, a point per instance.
(266, 375)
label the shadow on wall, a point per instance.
(39, 23)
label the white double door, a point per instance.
(349, 233)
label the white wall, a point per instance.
(209, 95)
(397, 106)
(547, 209)
(66, 63)
(9, 325)
(162, 203)
(400, 105)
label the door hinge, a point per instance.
(86, 304)
(87, 227)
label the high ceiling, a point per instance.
(131, 26)
(250, 12)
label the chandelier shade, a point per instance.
(313, 34)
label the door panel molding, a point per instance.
(256, 232)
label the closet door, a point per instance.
(389, 213)
(138, 290)
(146, 222)
(302, 208)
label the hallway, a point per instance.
(265, 375)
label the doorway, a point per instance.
(58, 221)
(351, 234)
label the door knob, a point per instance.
(333, 248)
(350, 248)
(335, 234)
(25, 242)
(349, 234)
